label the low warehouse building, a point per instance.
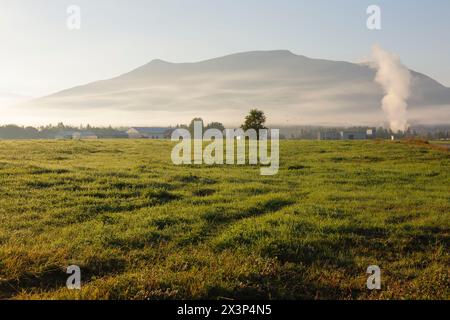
(353, 135)
(148, 133)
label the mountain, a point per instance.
(291, 89)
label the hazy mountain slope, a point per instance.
(290, 88)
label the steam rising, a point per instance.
(395, 79)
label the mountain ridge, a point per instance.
(289, 87)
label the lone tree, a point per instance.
(255, 120)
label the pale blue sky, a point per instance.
(39, 55)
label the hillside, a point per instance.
(291, 89)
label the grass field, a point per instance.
(141, 228)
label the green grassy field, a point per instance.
(141, 228)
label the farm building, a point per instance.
(329, 135)
(71, 134)
(353, 135)
(84, 135)
(148, 133)
(371, 133)
(64, 134)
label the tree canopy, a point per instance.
(254, 120)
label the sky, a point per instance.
(39, 55)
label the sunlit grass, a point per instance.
(141, 228)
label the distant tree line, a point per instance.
(50, 131)
(213, 125)
(438, 132)
(254, 120)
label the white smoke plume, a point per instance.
(395, 79)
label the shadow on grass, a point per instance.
(291, 283)
(217, 219)
(55, 277)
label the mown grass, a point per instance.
(141, 228)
